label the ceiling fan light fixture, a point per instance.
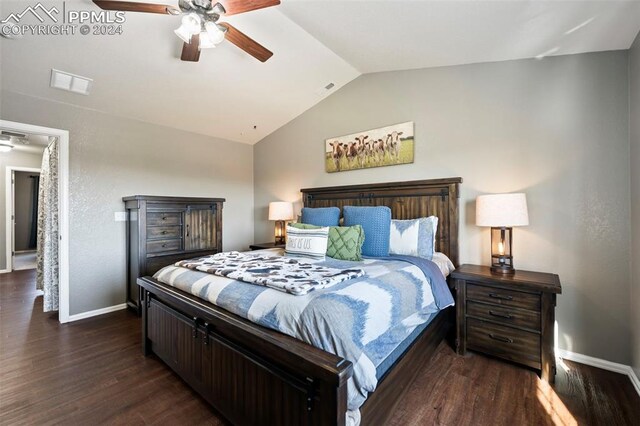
(214, 34)
(183, 34)
(190, 26)
(205, 41)
(219, 9)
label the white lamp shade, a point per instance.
(500, 210)
(280, 210)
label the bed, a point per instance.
(252, 374)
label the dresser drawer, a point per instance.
(505, 315)
(164, 218)
(162, 246)
(164, 232)
(504, 342)
(499, 296)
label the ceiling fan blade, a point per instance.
(234, 7)
(191, 51)
(131, 6)
(246, 43)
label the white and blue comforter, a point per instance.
(362, 320)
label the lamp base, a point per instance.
(502, 270)
(280, 231)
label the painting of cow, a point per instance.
(385, 146)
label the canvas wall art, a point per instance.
(385, 146)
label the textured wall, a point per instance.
(555, 128)
(13, 158)
(634, 114)
(23, 209)
(111, 157)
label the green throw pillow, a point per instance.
(345, 242)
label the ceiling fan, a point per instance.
(200, 28)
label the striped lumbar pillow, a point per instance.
(307, 242)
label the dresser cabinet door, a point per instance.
(200, 229)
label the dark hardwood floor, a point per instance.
(93, 372)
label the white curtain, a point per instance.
(47, 259)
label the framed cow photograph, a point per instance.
(385, 146)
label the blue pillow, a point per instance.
(322, 216)
(376, 223)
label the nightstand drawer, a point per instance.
(499, 296)
(504, 342)
(505, 315)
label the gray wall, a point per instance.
(555, 128)
(634, 114)
(111, 157)
(13, 158)
(23, 209)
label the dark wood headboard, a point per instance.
(407, 200)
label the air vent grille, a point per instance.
(70, 82)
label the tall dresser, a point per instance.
(164, 230)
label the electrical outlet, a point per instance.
(121, 216)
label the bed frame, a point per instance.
(253, 375)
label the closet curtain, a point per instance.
(47, 257)
(35, 194)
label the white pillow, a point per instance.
(310, 243)
(414, 237)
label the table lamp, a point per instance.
(502, 212)
(280, 211)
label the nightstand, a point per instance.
(507, 316)
(262, 246)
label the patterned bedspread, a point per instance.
(362, 319)
(281, 273)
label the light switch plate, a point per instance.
(121, 216)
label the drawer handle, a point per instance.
(187, 229)
(194, 331)
(206, 333)
(499, 315)
(499, 296)
(500, 338)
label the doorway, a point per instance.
(23, 226)
(61, 190)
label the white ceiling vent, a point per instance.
(71, 82)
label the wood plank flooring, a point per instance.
(93, 372)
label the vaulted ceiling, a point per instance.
(315, 42)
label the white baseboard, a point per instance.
(96, 312)
(601, 363)
(5, 271)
